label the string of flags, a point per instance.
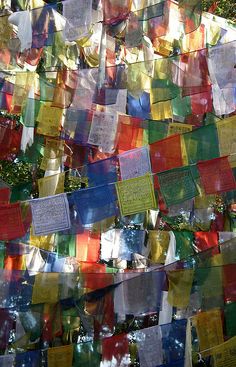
(134, 266)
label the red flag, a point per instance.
(11, 224)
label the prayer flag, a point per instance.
(136, 195)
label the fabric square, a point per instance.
(50, 214)
(134, 163)
(115, 351)
(177, 185)
(166, 154)
(11, 224)
(102, 172)
(103, 130)
(87, 246)
(205, 240)
(216, 175)
(136, 195)
(202, 144)
(95, 204)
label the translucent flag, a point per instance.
(11, 222)
(95, 204)
(136, 195)
(102, 172)
(209, 330)
(62, 356)
(50, 214)
(51, 185)
(134, 163)
(166, 154)
(45, 289)
(202, 144)
(216, 175)
(149, 344)
(177, 185)
(103, 131)
(180, 285)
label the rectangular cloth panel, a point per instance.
(180, 285)
(5, 194)
(140, 106)
(136, 195)
(230, 319)
(86, 354)
(77, 125)
(190, 72)
(51, 185)
(94, 276)
(209, 330)
(173, 342)
(50, 214)
(184, 244)
(149, 345)
(129, 131)
(46, 287)
(159, 243)
(103, 130)
(157, 130)
(224, 354)
(202, 102)
(209, 284)
(134, 163)
(202, 144)
(102, 172)
(10, 139)
(131, 241)
(177, 185)
(216, 175)
(166, 154)
(139, 293)
(87, 246)
(28, 359)
(60, 356)
(49, 120)
(229, 281)
(78, 19)
(95, 204)
(7, 326)
(227, 138)
(205, 240)
(178, 128)
(11, 223)
(221, 63)
(115, 351)
(181, 106)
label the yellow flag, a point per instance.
(45, 289)
(209, 330)
(178, 128)
(44, 242)
(227, 138)
(60, 356)
(136, 195)
(159, 243)
(49, 120)
(224, 355)
(51, 185)
(180, 284)
(161, 110)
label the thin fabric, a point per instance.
(95, 204)
(216, 175)
(177, 185)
